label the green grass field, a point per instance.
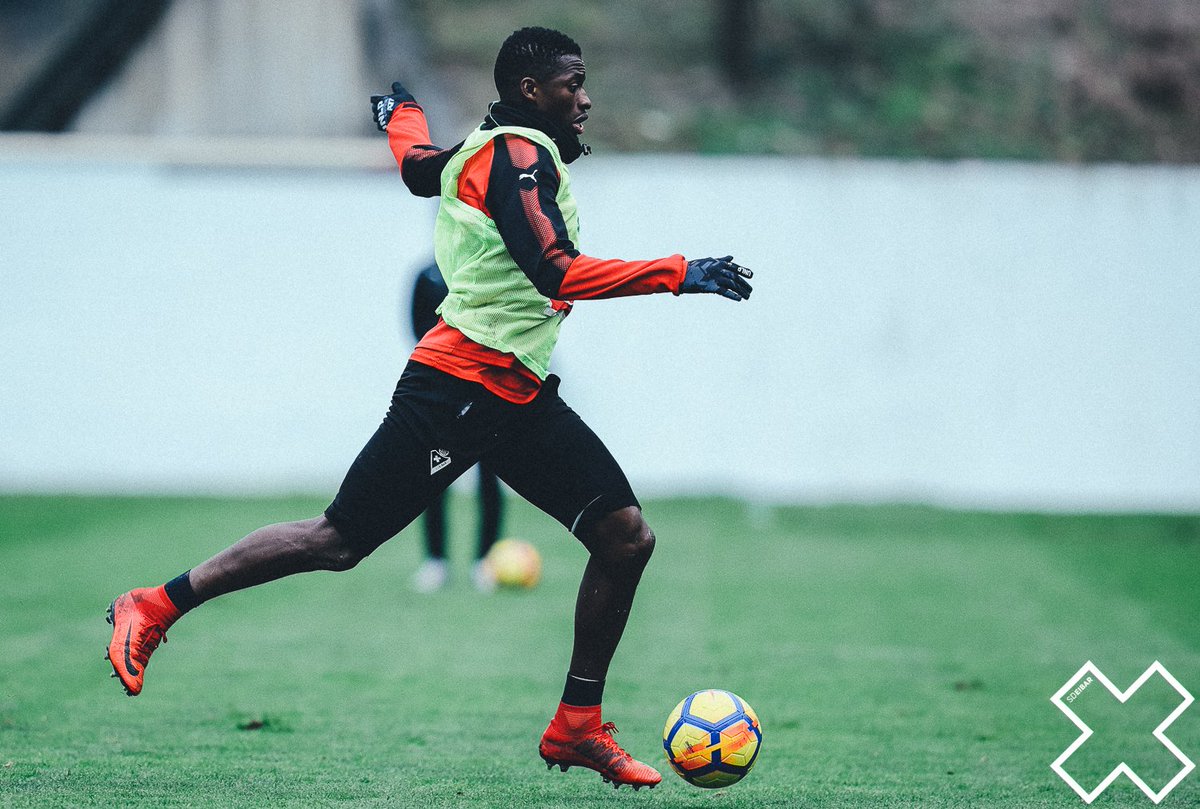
(897, 656)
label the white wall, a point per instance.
(240, 67)
(981, 334)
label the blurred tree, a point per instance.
(736, 24)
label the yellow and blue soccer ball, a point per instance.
(712, 738)
(514, 563)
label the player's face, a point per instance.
(562, 97)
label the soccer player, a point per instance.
(477, 387)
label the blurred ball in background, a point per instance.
(515, 563)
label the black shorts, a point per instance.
(439, 426)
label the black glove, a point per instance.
(718, 275)
(384, 106)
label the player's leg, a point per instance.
(434, 571)
(491, 509)
(141, 617)
(558, 464)
(491, 516)
(620, 544)
(387, 486)
(273, 552)
(434, 524)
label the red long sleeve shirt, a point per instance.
(532, 227)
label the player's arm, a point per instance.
(420, 162)
(521, 198)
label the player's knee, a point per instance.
(643, 545)
(331, 549)
(342, 558)
(623, 538)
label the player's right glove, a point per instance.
(719, 275)
(384, 106)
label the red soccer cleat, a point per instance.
(140, 620)
(593, 746)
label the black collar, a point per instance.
(569, 147)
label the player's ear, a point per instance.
(529, 89)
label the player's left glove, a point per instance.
(719, 275)
(384, 106)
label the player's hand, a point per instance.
(719, 275)
(384, 106)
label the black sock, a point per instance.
(582, 692)
(179, 590)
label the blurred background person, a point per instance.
(434, 572)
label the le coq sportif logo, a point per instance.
(1075, 688)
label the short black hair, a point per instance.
(532, 52)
